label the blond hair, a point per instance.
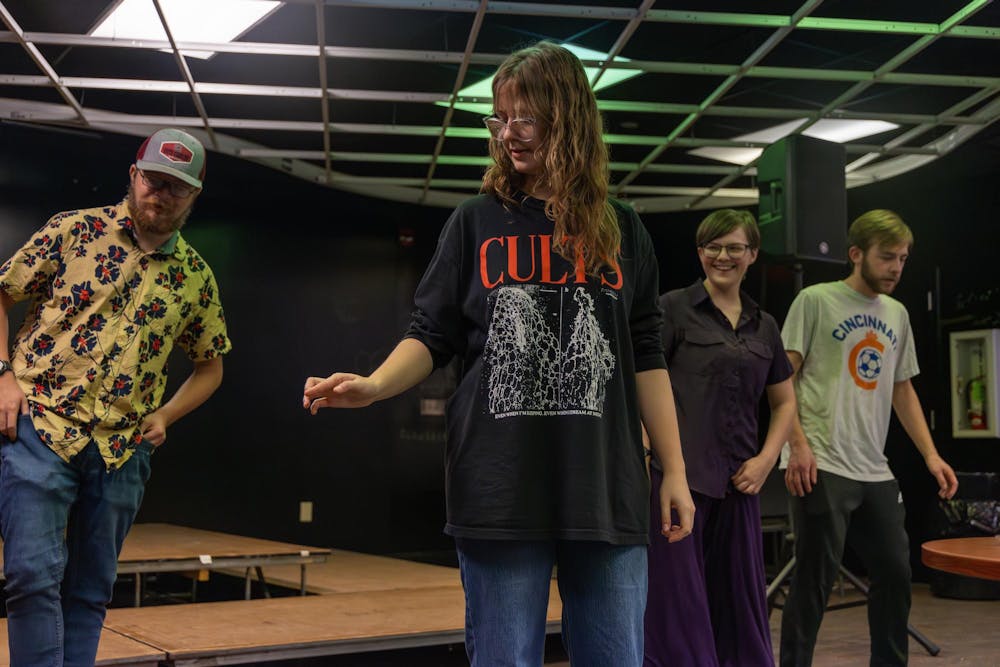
(878, 227)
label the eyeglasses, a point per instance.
(522, 129)
(734, 250)
(179, 190)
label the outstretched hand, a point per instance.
(340, 390)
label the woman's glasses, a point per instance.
(522, 129)
(734, 250)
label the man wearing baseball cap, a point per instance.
(111, 290)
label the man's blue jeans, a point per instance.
(603, 591)
(63, 525)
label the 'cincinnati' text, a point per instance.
(863, 321)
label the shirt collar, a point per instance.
(169, 248)
(527, 200)
(699, 295)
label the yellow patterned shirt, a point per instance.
(103, 316)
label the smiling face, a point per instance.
(725, 273)
(524, 151)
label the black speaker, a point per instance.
(803, 200)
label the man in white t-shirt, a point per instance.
(851, 346)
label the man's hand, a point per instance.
(340, 390)
(154, 428)
(749, 479)
(800, 476)
(674, 494)
(13, 402)
(945, 476)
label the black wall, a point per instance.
(313, 281)
(316, 280)
(953, 207)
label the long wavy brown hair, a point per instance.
(551, 83)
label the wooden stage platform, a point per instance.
(164, 547)
(357, 603)
(352, 572)
(114, 650)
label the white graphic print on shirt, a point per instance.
(545, 352)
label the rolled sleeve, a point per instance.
(646, 318)
(436, 320)
(30, 271)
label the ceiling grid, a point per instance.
(680, 83)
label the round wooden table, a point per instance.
(971, 556)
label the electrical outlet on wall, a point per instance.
(305, 511)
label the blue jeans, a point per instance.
(603, 591)
(63, 525)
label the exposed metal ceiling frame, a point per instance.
(323, 83)
(615, 51)
(676, 16)
(981, 117)
(477, 24)
(42, 64)
(208, 88)
(859, 171)
(896, 61)
(186, 74)
(456, 58)
(759, 53)
(32, 112)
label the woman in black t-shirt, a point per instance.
(547, 291)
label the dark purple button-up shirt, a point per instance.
(718, 375)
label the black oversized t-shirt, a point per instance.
(543, 430)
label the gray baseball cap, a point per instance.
(173, 152)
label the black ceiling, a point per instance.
(712, 70)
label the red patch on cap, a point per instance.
(175, 151)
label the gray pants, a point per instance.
(870, 517)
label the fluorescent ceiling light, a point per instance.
(483, 90)
(189, 20)
(840, 131)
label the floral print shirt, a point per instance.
(103, 317)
